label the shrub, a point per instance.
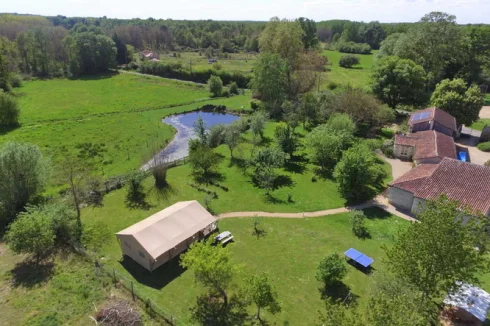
(485, 146)
(217, 66)
(254, 105)
(216, 135)
(233, 89)
(387, 148)
(351, 47)
(331, 269)
(16, 80)
(347, 61)
(9, 111)
(331, 85)
(215, 86)
(136, 196)
(358, 225)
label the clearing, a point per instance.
(358, 76)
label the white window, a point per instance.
(404, 151)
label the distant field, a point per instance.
(127, 136)
(358, 76)
(59, 99)
(236, 62)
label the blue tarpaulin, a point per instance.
(359, 257)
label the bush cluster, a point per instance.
(347, 61)
(351, 47)
(485, 146)
(177, 71)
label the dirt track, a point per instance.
(485, 112)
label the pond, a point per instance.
(184, 123)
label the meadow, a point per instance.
(120, 115)
(357, 76)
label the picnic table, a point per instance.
(224, 237)
(359, 257)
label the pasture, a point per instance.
(242, 62)
(357, 76)
(118, 118)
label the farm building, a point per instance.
(469, 305)
(465, 182)
(147, 54)
(433, 119)
(164, 235)
(424, 147)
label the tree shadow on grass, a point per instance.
(295, 167)
(376, 213)
(157, 279)
(164, 192)
(338, 292)
(210, 311)
(6, 129)
(97, 76)
(241, 163)
(211, 177)
(28, 273)
(269, 198)
(283, 181)
(265, 141)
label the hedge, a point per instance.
(176, 71)
(351, 47)
(485, 146)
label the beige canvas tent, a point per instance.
(162, 236)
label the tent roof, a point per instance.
(472, 299)
(166, 229)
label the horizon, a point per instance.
(384, 11)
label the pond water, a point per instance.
(184, 123)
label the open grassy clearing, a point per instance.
(242, 62)
(65, 295)
(127, 137)
(289, 252)
(358, 76)
(59, 99)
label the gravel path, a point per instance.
(485, 112)
(380, 201)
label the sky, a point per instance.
(466, 11)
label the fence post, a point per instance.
(132, 290)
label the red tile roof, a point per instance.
(413, 179)
(465, 182)
(429, 144)
(437, 115)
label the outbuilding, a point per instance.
(164, 235)
(470, 304)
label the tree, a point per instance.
(358, 224)
(394, 302)
(263, 294)
(200, 130)
(4, 73)
(439, 252)
(325, 146)
(454, 97)
(232, 136)
(136, 196)
(215, 85)
(212, 267)
(257, 124)
(233, 88)
(358, 174)
(347, 61)
(309, 38)
(331, 270)
(23, 176)
(266, 161)
(203, 161)
(399, 81)
(216, 135)
(269, 81)
(341, 123)
(31, 233)
(9, 111)
(286, 138)
(308, 109)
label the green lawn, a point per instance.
(289, 252)
(59, 99)
(127, 136)
(358, 76)
(480, 124)
(487, 99)
(242, 62)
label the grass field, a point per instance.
(487, 99)
(358, 76)
(289, 252)
(480, 124)
(111, 118)
(242, 62)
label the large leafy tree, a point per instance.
(454, 97)
(203, 161)
(215, 85)
(232, 136)
(309, 39)
(399, 81)
(441, 251)
(266, 161)
(286, 138)
(32, 233)
(332, 269)
(4, 73)
(358, 173)
(262, 293)
(23, 176)
(212, 267)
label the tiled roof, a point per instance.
(466, 182)
(413, 179)
(429, 144)
(437, 115)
